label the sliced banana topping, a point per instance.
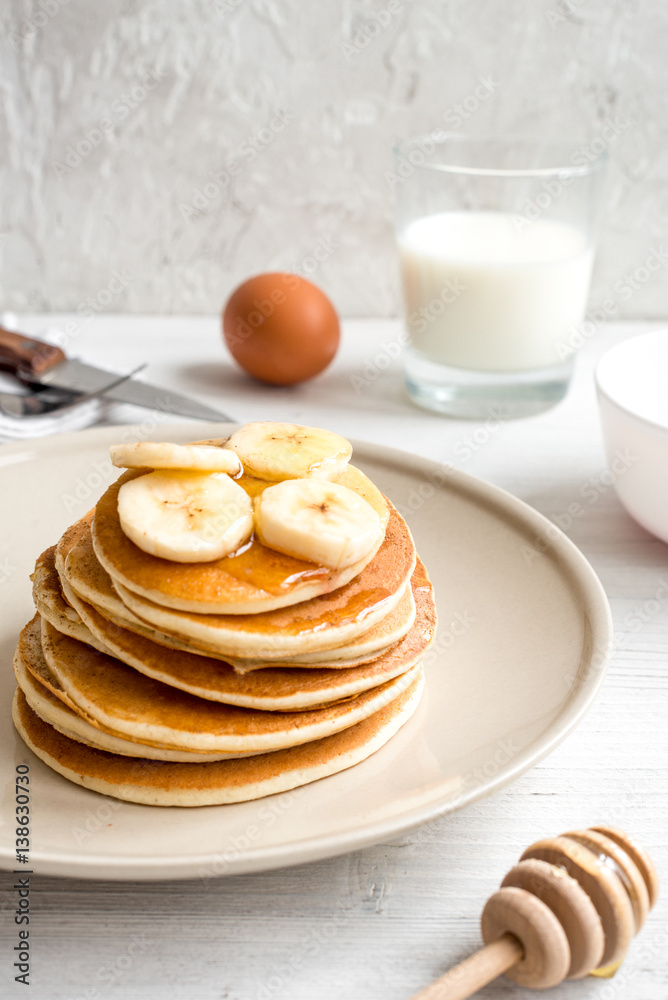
(277, 451)
(319, 521)
(165, 455)
(185, 516)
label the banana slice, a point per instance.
(276, 451)
(323, 522)
(185, 516)
(165, 455)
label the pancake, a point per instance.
(82, 577)
(273, 689)
(163, 783)
(30, 663)
(56, 713)
(45, 588)
(189, 684)
(50, 603)
(129, 704)
(362, 649)
(326, 622)
(70, 537)
(323, 622)
(254, 579)
(318, 659)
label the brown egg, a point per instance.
(281, 328)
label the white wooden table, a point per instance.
(380, 923)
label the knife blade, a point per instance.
(36, 362)
(25, 400)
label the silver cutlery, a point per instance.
(39, 364)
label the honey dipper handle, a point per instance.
(476, 971)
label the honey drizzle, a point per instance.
(269, 570)
(356, 609)
(265, 568)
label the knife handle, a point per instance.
(26, 356)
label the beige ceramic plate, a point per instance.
(522, 647)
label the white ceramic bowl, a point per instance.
(632, 387)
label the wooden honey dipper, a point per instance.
(570, 908)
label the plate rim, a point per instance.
(318, 847)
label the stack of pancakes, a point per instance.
(196, 684)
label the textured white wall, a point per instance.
(294, 105)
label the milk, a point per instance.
(493, 291)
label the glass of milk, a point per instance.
(496, 244)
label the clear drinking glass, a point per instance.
(496, 245)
